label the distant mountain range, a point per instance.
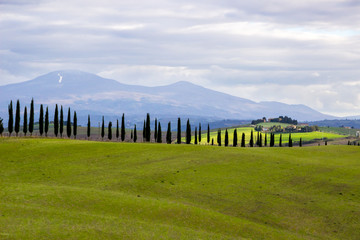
(90, 94)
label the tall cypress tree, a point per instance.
(159, 134)
(260, 140)
(300, 143)
(235, 138)
(219, 138)
(46, 121)
(123, 127)
(251, 139)
(11, 119)
(117, 129)
(196, 137)
(25, 122)
(110, 131)
(208, 134)
(56, 121)
(131, 134)
(102, 129)
(31, 118)
(88, 127)
(148, 129)
(226, 138)
(243, 140)
(199, 132)
(1, 127)
(17, 118)
(272, 140)
(135, 134)
(290, 141)
(75, 125)
(61, 121)
(179, 131)
(280, 141)
(168, 134)
(41, 120)
(144, 132)
(188, 132)
(265, 143)
(68, 124)
(155, 133)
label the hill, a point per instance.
(65, 189)
(90, 94)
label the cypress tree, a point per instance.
(41, 120)
(68, 124)
(179, 131)
(235, 138)
(46, 121)
(290, 140)
(208, 134)
(117, 129)
(188, 132)
(135, 134)
(272, 140)
(196, 137)
(75, 125)
(144, 132)
(226, 138)
(123, 127)
(56, 121)
(61, 121)
(265, 140)
(25, 121)
(219, 138)
(300, 143)
(88, 127)
(148, 130)
(159, 134)
(31, 120)
(243, 140)
(251, 139)
(17, 118)
(260, 140)
(131, 134)
(155, 133)
(1, 127)
(102, 129)
(11, 119)
(110, 131)
(280, 141)
(212, 142)
(168, 134)
(199, 132)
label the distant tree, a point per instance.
(135, 134)
(131, 134)
(168, 134)
(208, 134)
(326, 143)
(280, 141)
(25, 122)
(290, 140)
(226, 138)
(212, 141)
(61, 121)
(179, 131)
(199, 132)
(251, 139)
(300, 143)
(265, 142)
(68, 124)
(102, 129)
(1, 127)
(31, 118)
(235, 138)
(243, 140)
(272, 139)
(117, 129)
(155, 132)
(88, 127)
(46, 121)
(56, 121)
(41, 120)
(17, 118)
(260, 140)
(75, 125)
(219, 137)
(196, 136)
(159, 134)
(11, 119)
(110, 131)
(188, 132)
(144, 132)
(123, 128)
(148, 129)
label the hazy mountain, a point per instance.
(90, 94)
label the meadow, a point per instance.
(73, 189)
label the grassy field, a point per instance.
(71, 189)
(340, 130)
(270, 124)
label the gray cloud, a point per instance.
(269, 48)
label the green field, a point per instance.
(71, 189)
(270, 124)
(340, 130)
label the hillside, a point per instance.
(65, 189)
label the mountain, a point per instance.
(90, 94)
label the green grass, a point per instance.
(340, 130)
(270, 124)
(70, 189)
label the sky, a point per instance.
(296, 52)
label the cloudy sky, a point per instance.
(290, 51)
